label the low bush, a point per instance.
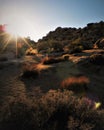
(75, 49)
(76, 46)
(3, 59)
(56, 110)
(76, 84)
(31, 51)
(29, 71)
(51, 60)
(18, 114)
(66, 56)
(97, 59)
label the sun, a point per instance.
(13, 36)
(13, 30)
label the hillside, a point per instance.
(74, 39)
(24, 93)
(59, 85)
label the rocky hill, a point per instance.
(74, 39)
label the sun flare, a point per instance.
(12, 37)
(13, 30)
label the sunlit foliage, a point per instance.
(15, 43)
(75, 84)
(55, 110)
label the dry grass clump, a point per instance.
(66, 56)
(33, 70)
(30, 71)
(31, 51)
(51, 60)
(76, 84)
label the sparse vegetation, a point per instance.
(54, 111)
(73, 39)
(29, 71)
(99, 43)
(31, 51)
(52, 60)
(30, 103)
(75, 84)
(97, 59)
(75, 48)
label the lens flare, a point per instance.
(12, 36)
(13, 39)
(13, 30)
(6, 42)
(26, 42)
(97, 105)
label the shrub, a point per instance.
(29, 71)
(3, 59)
(31, 51)
(18, 114)
(97, 59)
(42, 46)
(75, 48)
(86, 118)
(51, 60)
(66, 56)
(76, 84)
(56, 110)
(99, 43)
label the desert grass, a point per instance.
(76, 84)
(51, 60)
(29, 71)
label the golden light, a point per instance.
(6, 42)
(11, 36)
(13, 30)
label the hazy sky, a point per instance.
(35, 18)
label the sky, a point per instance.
(36, 18)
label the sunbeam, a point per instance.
(16, 46)
(6, 41)
(3, 34)
(16, 43)
(27, 43)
